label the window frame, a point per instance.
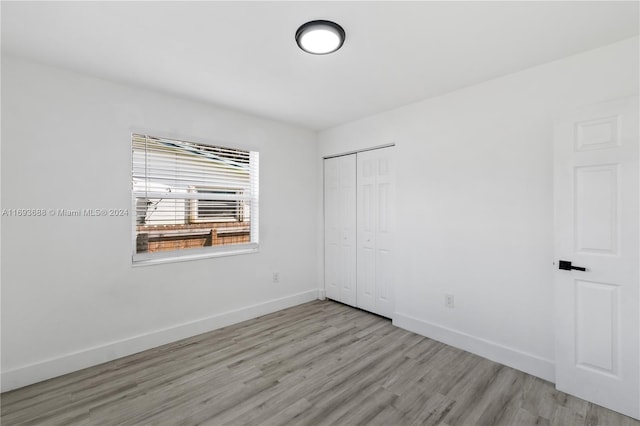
(190, 254)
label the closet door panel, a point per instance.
(366, 259)
(331, 230)
(340, 228)
(375, 231)
(385, 232)
(348, 227)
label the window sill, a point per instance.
(194, 254)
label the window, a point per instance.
(192, 200)
(208, 210)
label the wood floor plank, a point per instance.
(320, 363)
(287, 415)
(427, 409)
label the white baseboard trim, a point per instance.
(523, 361)
(37, 372)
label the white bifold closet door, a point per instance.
(375, 223)
(340, 228)
(359, 225)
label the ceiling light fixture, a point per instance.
(320, 37)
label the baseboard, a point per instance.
(89, 357)
(523, 361)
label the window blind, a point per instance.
(191, 197)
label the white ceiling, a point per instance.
(243, 55)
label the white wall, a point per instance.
(70, 297)
(474, 201)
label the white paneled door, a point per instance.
(359, 223)
(340, 228)
(597, 254)
(375, 231)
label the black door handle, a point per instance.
(567, 266)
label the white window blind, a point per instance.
(192, 199)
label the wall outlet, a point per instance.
(448, 301)
(276, 277)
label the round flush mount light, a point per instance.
(320, 37)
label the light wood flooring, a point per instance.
(319, 363)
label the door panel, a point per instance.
(384, 275)
(340, 228)
(367, 278)
(597, 337)
(331, 230)
(596, 208)
(366, 253)
(596, 191)
(375, 231)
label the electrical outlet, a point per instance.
(448, 301)
(276, 277)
